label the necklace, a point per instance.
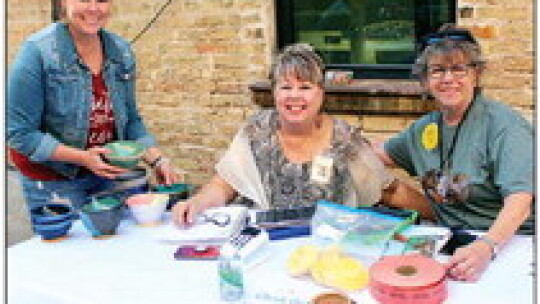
(446, 163)
(302, 149)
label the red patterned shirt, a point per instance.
(101, 125)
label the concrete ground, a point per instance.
(18, 222)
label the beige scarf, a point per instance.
(238, 168)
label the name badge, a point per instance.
(321, 169)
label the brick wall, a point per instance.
(195, 64)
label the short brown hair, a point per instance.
(301, 60)
(448, 44)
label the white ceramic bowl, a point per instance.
(147, 208)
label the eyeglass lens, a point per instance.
(456, 70)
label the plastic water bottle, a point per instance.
(231, 274)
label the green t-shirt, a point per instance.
(495, 150)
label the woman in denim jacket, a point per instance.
(70, 91)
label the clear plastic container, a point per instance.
(231, 274)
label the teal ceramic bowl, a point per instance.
(98, 203)
(174, 188)
(124, 154)
(176, 192)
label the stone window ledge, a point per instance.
(366, 97)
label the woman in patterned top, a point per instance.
(295, 155)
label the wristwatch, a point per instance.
(492, 244)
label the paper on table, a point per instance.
(207, 232)
(442, 235)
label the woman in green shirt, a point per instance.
(474, 156)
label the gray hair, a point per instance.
(301, 61)
(448, 47)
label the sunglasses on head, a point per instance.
(453, 35)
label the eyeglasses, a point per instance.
(456, 70)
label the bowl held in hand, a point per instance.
(124, 154)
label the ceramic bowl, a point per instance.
(52, 213)
(148, 208)
(134, 181)
(53, 231)
(102, 202)
(176, 192)
(101, 222)
(124, 154)
(133, 178)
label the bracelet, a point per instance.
(155, 162)
(492, 245)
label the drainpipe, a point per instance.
(55, 12)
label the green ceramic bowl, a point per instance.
(176, 192)
(124, 154)
(174, 188)
(101, 203)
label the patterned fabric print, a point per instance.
(101, 125)
(288, 184)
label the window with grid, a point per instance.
(374, 38)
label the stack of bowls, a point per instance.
(147, 208)
(102, 215)
(52, 221)
(132, 182)
(176, 192)
(124, 154)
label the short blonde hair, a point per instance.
(300, 60)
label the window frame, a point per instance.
(285, 21)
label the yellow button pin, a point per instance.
(430, 136)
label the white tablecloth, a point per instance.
(132, 267)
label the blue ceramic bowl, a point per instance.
(101, 222)
(52, 231)
(52, 213)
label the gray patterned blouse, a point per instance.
(288, 184)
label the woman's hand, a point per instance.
(165, 173)
(214, 194)
(92, 160)
(184, 213)
(469, 262)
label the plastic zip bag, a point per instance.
(363, 225)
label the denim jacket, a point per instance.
(50, 93)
